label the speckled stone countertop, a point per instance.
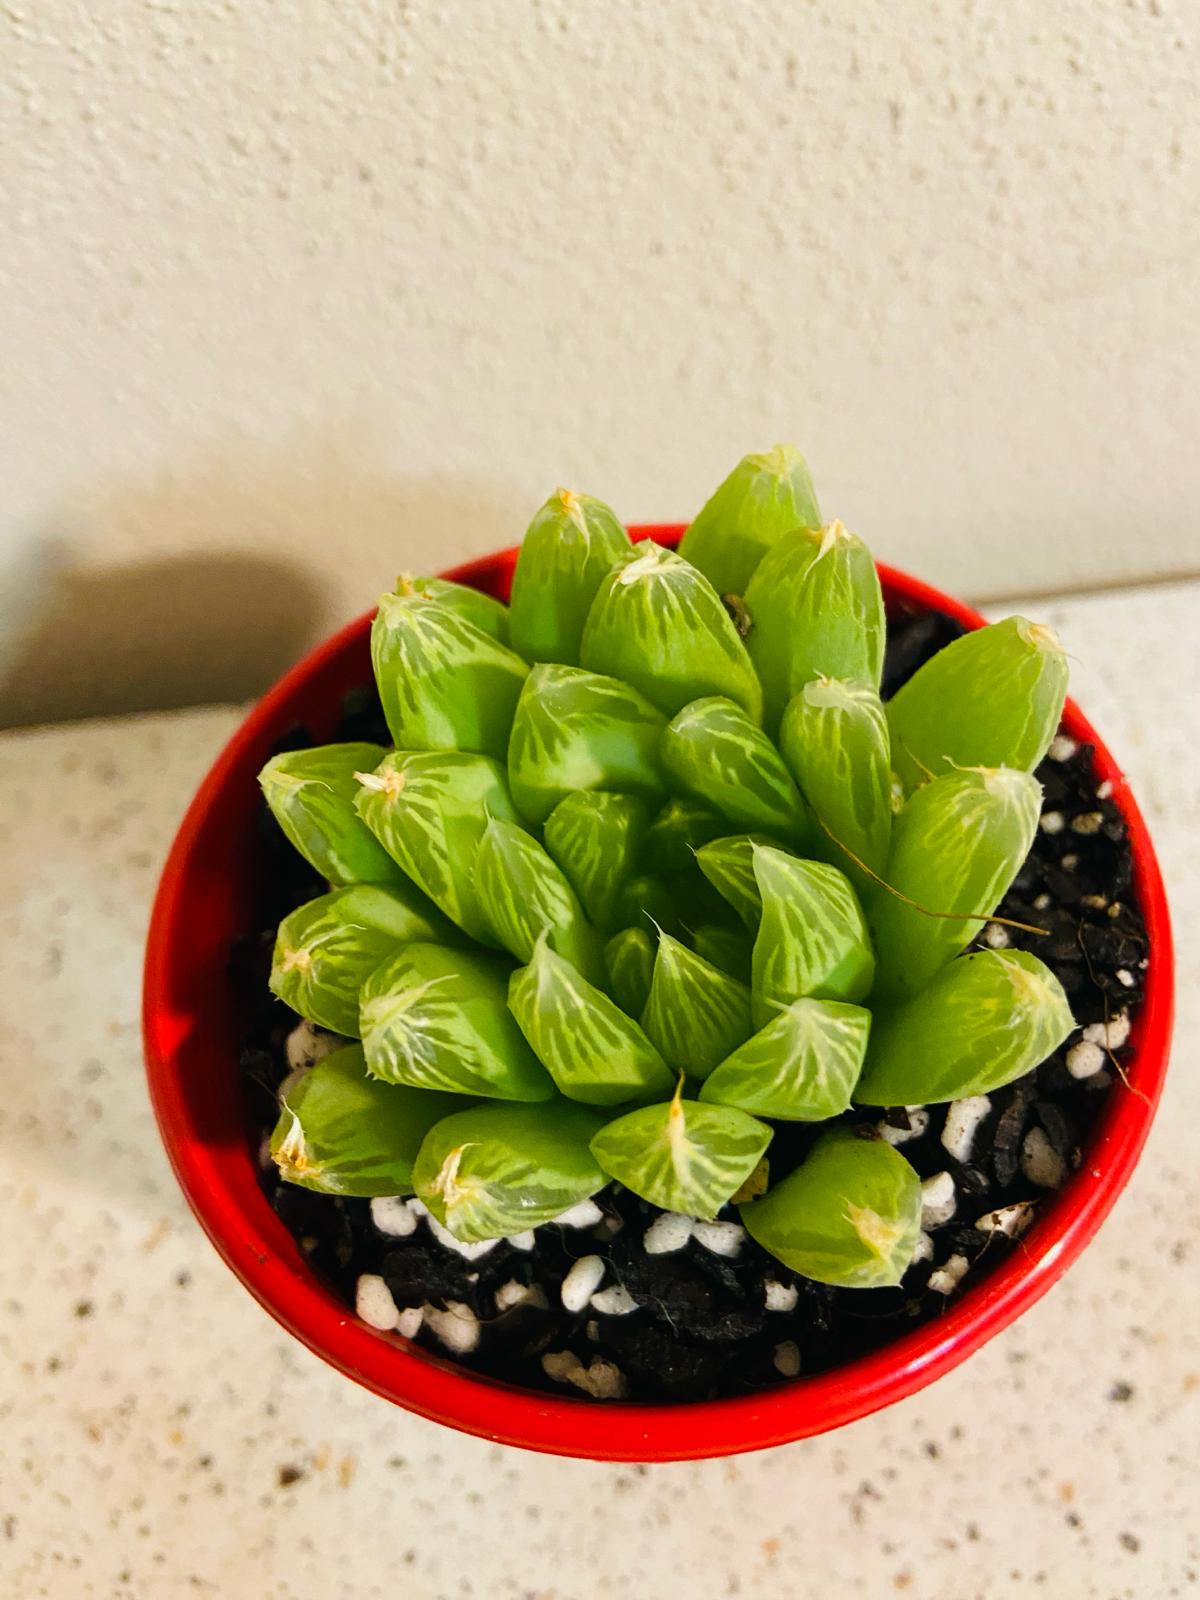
(160, 1436)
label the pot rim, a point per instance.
(188, 1017)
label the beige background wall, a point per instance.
(296, 294)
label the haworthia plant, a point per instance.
(445, 683)
(598, 840)
(679, 830)
(499, 1169)
(439, 1019)
(569, 546)
(579, 730)
(956, 847)
(712, 751)
(659, 624)
(695, 1013)
(991, 699)
(816, 610)
(327, 948)
(985, 1019)
(834, 739)
(683, 1156)
(484, 610)
(850, 1214)
(629, 965)
(764, 497)
(311, 794)
(641, 832)
(430, 812)
(801, 1067)
(812, 939)
(594, 1052)
(524, 894)
(341, 1131)
(728, 864)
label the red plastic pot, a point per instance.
(206, 898)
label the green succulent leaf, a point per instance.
(712, 751)
(342, 1132)
(985, 1019)
(812, 940)
(659, 624)
(597, 839)
(817, 611)
(728, 864)
(695, 1013)
(764, 497)
(484, 610)
(445, 683)
(849, 1215)
(577, 730)
(649, 898)
(429, 811)
(325, 949)
(439, 1019)
(802, 1067)
(956, 847)
(834, 738)
(725, 947)
(311, 794)
(568, 548)
(593, 1051)
(678, 831)
(629, 963)
(524, 893)
(991, 699)
(499, 1169)
(682, 1156)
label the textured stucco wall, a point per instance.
(296, 293)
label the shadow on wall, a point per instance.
(203, 586)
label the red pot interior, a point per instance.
(207, 897)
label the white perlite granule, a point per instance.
(963, 1121)
(780, 1296)
(1062, 748)
(374, 1304)
(614, 1302)
(938, 1200)
(393, 1215)
(945, 1279)
(787, 1358)
(722, 1238)
(1087, 823)
(601, 1379)
(307, 1044)
(457, 1326)
(1010, 1220)
(667, 1233)
(1085, 1059)
(918, 1123)
(409, 1324)
(1112, 1035)
(512, 1294)
(923, 1249)
(1040, 1161)
(1052, 822)
(584, 1215)
(522, 1241)
(579, 1285)
(1125, 977)
(996, 937)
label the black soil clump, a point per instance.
(702, 1327)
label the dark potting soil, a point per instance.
(708, 1323)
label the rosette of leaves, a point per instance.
(652, 870)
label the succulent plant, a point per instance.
(652, 869)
